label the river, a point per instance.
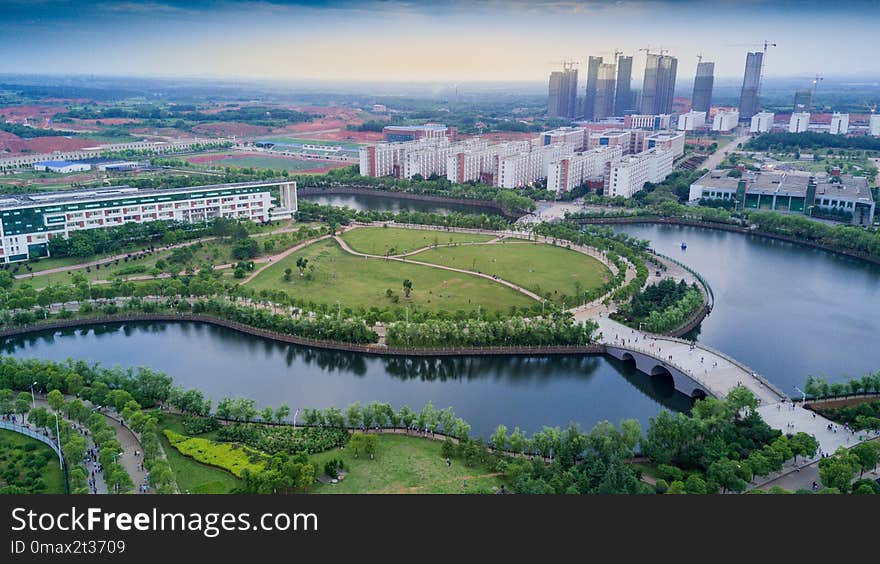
(363, 202)
(786, 310)
(486, 391)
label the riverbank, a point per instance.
(303, 341)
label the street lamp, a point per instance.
(58, 440)
(33, 398)
(801, 392)
(295, 413)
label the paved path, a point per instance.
(511, 285)
(716, 372)
(715, 158)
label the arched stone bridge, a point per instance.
(696, 370)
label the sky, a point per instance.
(433, 41)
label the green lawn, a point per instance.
(404, 465)
(215, 252)
(538, 267)
(379, 240)
(29, 464)
(192, 476)
(353, 281)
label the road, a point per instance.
(715, 158)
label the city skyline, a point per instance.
(396, 41)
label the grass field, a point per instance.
(29, 464)
(379, 240)
(192, 476)
(405, 465)
(540, 268)
(336, 276)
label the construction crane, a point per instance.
(699, 58)
(566, 65)
(815, 84)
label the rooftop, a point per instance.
(850, 187)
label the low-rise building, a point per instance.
(842, 198)
(574, 137)
(839, 124)
(874, 125)
(630, 140)
(691, 121)
(762, 122)
(725, 120)
(670, 141)
(403, 133)
(64, 167)
(799, 122)
(29, 221)
(642, 121)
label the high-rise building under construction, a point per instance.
(748, 99)
(703, 81)
(658, 87)
(623, 98)
(562, 100)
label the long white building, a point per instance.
(569, 172)
(762, 122)
(629, 174)
(150, 147)
(29, 221)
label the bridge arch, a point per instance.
(662, 374)
(698, 394)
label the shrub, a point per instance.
(232, 457)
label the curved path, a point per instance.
(402, 259)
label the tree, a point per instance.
(407, 287)
(282, 412)
(695, 485)
(287, 274)
(867, 456)
(837, 471)
(301, 263)
(362, 442)
(56, 400)
(499, 438)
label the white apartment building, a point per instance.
(390, 159)
(629, 174)
(569, 172)
(839, 124)
(475, 160)
(691, 121)
(670, 141)
(428, 160)
(725, 120)
(524, 169)
(799, 122)
(874, 125)
(762, 122)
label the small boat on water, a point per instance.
(684, 245)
